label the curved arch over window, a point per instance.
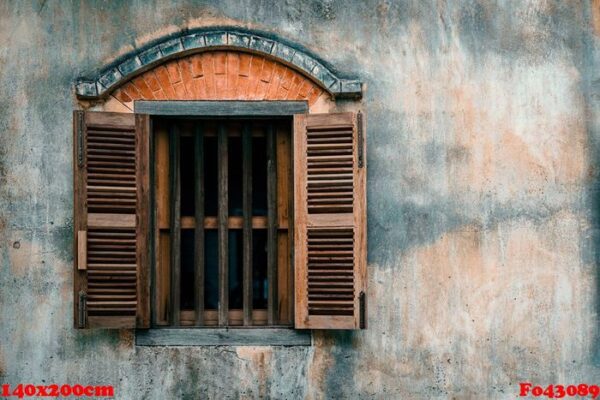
(220, 75)
(234, 41)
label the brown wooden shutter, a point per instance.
(330, 221)
(111, 183)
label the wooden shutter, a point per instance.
(330, 221)
(111, 182)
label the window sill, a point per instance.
(222, 337)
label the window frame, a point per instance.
(221, 110)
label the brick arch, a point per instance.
(220, 75)
(266, 45)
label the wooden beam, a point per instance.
(221, 108)
(271, 225)
(161, 177)
(143, 250)
(299, 238)
(97, 220)
(175, 225)
(111, 322)
(235, 222)
(284, 187)
(236, 317)
(81, 250)
(79, 211)
(160, 184)
(163, 278)
(290, 227)
(199, 229)
(223, 231)
(247, 233)
(152, 230)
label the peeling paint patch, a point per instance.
(260, 359)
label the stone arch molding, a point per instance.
(136, 63)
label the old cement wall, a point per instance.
(483, 201)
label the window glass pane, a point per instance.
(187, 175)
(210, 176)
(235, 176)
(259, 176)
(187, 269)
(259, 269)
(236, 274)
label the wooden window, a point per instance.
(111, 220)
(264, 219)
(233, 268)
(330, 221)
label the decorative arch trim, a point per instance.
(185, 43)
(222, 74)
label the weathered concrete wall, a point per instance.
(483, 198)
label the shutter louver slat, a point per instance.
(113, 177)
(329, 169)
(330, 266)
(330, 241)
(108, 201)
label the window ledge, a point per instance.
(222, 337)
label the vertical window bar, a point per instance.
(199, 228)
(175, 223)
(223, 231)
(272, 300)
(290, 229)
(156, 233)
(247, 233)
(154, 229)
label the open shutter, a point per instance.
(111, 182)
(330, 221)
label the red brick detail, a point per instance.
(221, 75)
(196, 62)
(122, 96)
(185, 66)
(209, 75)
(143, 87)
(162, 75)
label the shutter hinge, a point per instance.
(80, 122)
(362, 299)
(361, 139)
(81, 322)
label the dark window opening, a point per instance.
(235, 175)
(256, 222)
(211, 202)
(187, 269)
(187, 176)
(259, 281)
(259, 181)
